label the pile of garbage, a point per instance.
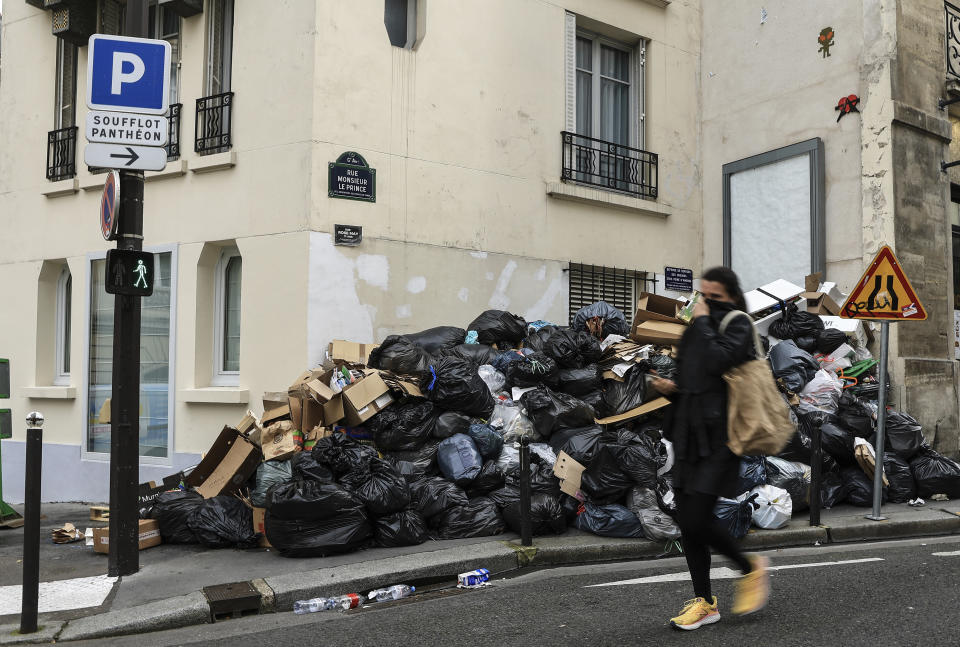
(417, 438)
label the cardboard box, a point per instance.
(643, 409)
(569, 472)
(280, 440)
(276, 414)
(250, 427)
(308, 395)
(259, 515)
(149, 532)
(656, 307)
(820, 303)
(657, 332)
(365, 398)
(226, 467)
(274, 399)
(349, 351)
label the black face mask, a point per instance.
(713, 304)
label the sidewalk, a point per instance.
(167, 592)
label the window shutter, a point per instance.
(570, 70)
(591, 283)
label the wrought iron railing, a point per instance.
(62, 153)
(173, 136)
(953, 40)
(614, 167)
(212, 129)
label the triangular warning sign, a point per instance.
(884, 292)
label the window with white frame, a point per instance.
(226, 338)
(164, 24)
(65, 92)
(219, 46)
(604, 83)
(61, 372)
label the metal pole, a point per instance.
(816, 470)
(31, 527)
(526, 533)
(124, 557)
(881, 424)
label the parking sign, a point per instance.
(127, 74)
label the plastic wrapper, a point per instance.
(385, 491)
(902, 488)
(478, 354)
(657, 524)
(904, 436)
(612, 520)
(403, 427)
(309, 500)
(822, 393)
(417, 463)
(604, 481)
(400, 355)
(450, 423)
(489, 443)
(343, 533)
(773, 507)
(480, 517)
(490, 478)
(305, 466)
(934, 474)
(792, 477)
(269, 473)
(432, 495)
(436, 340)
(735, 515)
(580, 443)
(498, 326)
(620, 397)
(494, 379)
(454, 385)
(534, 369)
(546, 516)
(838, 442)
(508, 419)
(753, 473)
(459, 459)
(580, 381)
(601, 320)
(405, 528)
(173, 510)
(223, 522)
(830, 340)
(550, 411)
(859, 487)
(794, 366)
(543, 453)
(573, 349)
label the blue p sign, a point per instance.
(128, 74)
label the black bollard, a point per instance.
(816, 468)
(526, 533)
(31, 524)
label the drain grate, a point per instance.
(232, 600)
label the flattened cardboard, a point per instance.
(259, 515)
(349, 351)
(333, 411)
(657, 332)
(279, 441)
(149, 535)
(274, 399)
(648, 407)
(226, 467)
(656, 307)
(276, 414)
(569, 472)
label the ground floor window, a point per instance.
(155, 369)
(616, 286)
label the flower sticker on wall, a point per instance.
(826, 41)
(846, 105)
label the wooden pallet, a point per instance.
(99, 513)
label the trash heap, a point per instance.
(417, 438)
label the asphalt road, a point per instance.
(890, 593)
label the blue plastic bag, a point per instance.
(459, 459)
(753, 472)
(612, 520)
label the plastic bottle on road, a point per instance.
(343, 602)
(394, 592)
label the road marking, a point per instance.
(952, 553)
(62, 595)
(725, 573)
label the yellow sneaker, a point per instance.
(696, 613)
(753, 589)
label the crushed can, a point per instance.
(473, 578)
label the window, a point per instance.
(66, 85)
(603, 90)
(219, 46)
(400, 19)
(156, 372)
(618, 287)
(226, 370)
(61, 373)
(164, 24)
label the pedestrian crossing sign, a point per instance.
(884, 293)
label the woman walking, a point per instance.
(705, 468)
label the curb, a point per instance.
(500, 557)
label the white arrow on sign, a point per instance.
(138, 158)
(126, 128)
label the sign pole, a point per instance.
(124, 558)
(881, 424)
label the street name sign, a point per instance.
(129, 272)
(126, 128)
(126, 74)
(110, 206)
(129, 158)
(884, 293)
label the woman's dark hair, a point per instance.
(728, 279)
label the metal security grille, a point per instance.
(173, 137)
(952, 40)
(61, 153)
(618, 287)
(212, 131)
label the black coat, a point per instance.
(697, 425)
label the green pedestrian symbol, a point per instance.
(141, 271)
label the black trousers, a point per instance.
(700, 532)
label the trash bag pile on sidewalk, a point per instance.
(416, 439)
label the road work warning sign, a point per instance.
(884, 293)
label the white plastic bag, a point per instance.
(509, 420)
(773, 506)
(822, 393)
(494, 379)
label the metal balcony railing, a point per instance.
(212, 129)
(62, 153)
(610, 166)
(952, 40)
(173, 136)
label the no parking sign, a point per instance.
(109, 206)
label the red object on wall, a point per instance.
(846, 105)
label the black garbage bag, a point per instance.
(830, 340)
(735, 515)
(593, 399)
(270, 473)
(542, 480)
(309, 500)
(305, 466)
(385, 491)
(579, 443)
(797, 323)
(800, 447)
(495, 326)
(807, 343)
(573, 349)
(434, 340)
(403, 426)
(478, 354)
(838, 442)
(400, 355)
(480, 517)
(902, 488)
(640, 461)
(794, 366)
(666, 495)
(856, 415)
(934, 474)
(534, 369)
(604, 481)
(432, 495)
(537, 339)
(454, 385)
(417, 463)
(490, 478)
(405, 528)
(580, 381)
(347, 531)
(657, 524)
(859, 487)
(753, 472)
(664, 365)
(224, 522)
(792, 477)
(550, 411)
(832, 489)
(450, 423)
(620, 397)
(505, 496)
(611, 520)
(546, 516)
(904, 435)
(173, 511)
(489, 443)
(459, 459)
(604, 320)
(343, 454)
